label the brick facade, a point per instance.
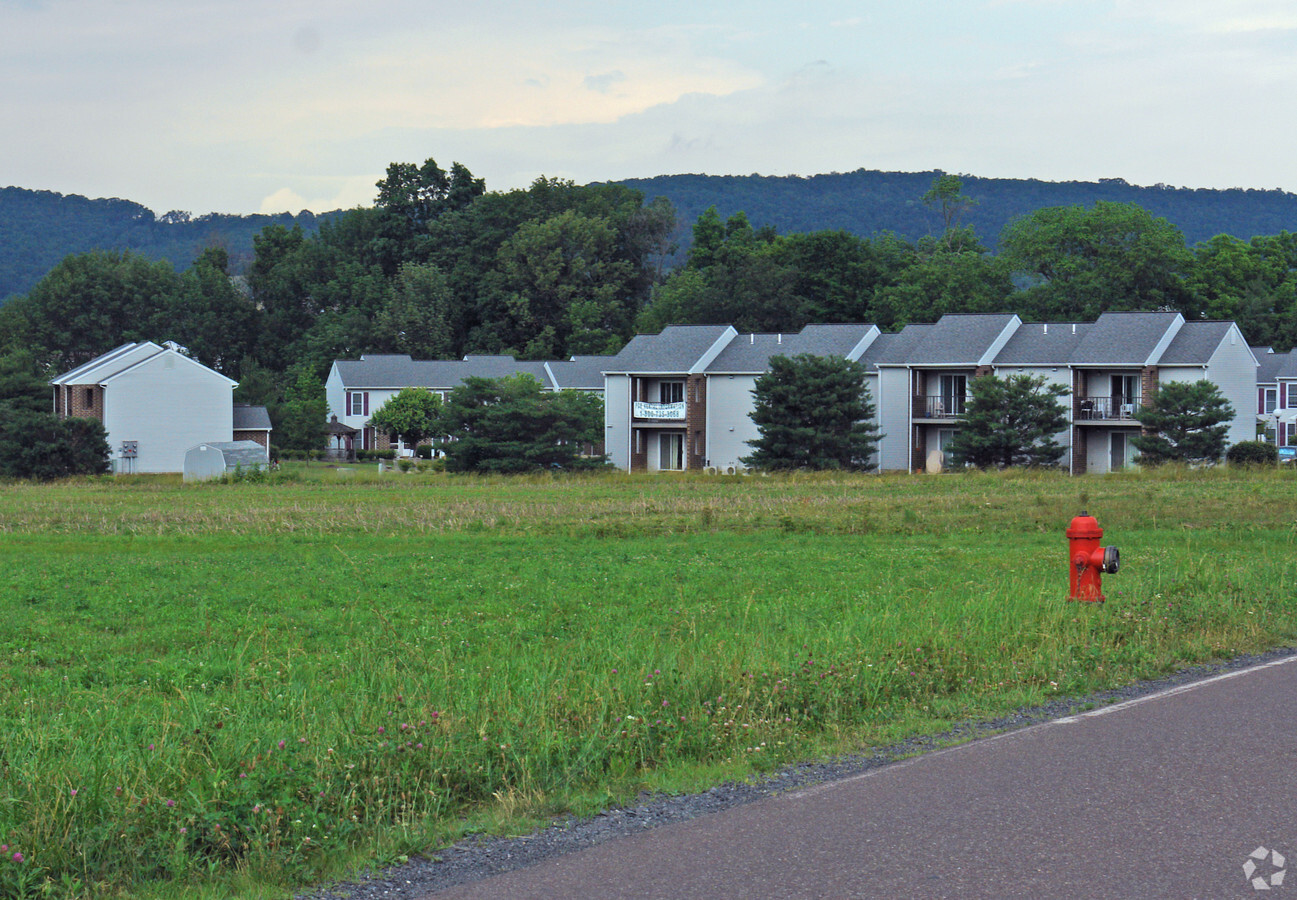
(696, 421)
(83, 401)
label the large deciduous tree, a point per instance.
(1185, 422)
(411, 414)
(511, 425)
(1088, 260)
(813, 412)
(1010, 421)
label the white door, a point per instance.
(672, 446)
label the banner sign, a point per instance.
(659, 410)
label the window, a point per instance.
(944, 437)
(357, 403)
(1270, 399)
(90, 397)
(672, 391)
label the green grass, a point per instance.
(250, 687)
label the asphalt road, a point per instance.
(1164, 796)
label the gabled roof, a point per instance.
(120, 360)
(750, 353)
(677, 350)
(963, 340)
(115, 360)
(582, 373)
(396, 371)
(251, 418)
(1042, 344)
(1195, 343)
(1127, 339)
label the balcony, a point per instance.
(670, 412)
(1106, 409)
(946, 406)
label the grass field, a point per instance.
(235, 689)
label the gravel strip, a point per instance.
(475, 858)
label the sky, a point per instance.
(281, 105)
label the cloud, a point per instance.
(602, 83)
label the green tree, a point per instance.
(813, 412)
(418, 316)
(1010, 421)
(302, 414)
(212, 318)
(1111, 256)
(569, 292)
(23, 383)
(412, 414)
(945, 194)
(511, 425)
(90, 303)
(1186, 422)
(41, 446)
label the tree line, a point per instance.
(439, 267)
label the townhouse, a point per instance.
(156, 403)
(357, 388)
(682, 399)
(1276, 399)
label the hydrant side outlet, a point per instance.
(1088, 559)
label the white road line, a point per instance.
(1020, 732)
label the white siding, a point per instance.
(1053, 375)
(893, 401)
(1233, 369)
(616, 413)
(168, 404)
(729, 419)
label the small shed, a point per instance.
(217, 458)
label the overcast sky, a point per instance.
(241, 106)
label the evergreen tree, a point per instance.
(1010, 421)
(1186, 422)
(814, 412)
(510, 425)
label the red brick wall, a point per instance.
(86, 401)
(696, 421)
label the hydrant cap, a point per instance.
(1085, 527)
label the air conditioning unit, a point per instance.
(729, 470)
(710, 470)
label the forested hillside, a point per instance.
(39, 228)
(867, 202)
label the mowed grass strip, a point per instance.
(200, 701)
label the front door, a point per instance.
(1121, 451)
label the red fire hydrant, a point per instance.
(1088, 560)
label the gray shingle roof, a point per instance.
(895, 349)
(251, 418)
(582, 373)
(1288, 368)
(676, 350)
(399, 371)
(1268, 364)
(1123, 338)
(960, 340)
(1042, 344)
(749, 353)
(1194, 344)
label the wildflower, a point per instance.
(74, 792)
(170, 804)
(666, 702)
(150, 746)
(301, 740)
(382, 730)
(614, 671)
(18, 857)
(281, 745)
(184, 830)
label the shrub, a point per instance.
(1253, 453)
(423, 451)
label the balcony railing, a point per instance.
(1090, 408)
(645, 410)
(948, 406)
